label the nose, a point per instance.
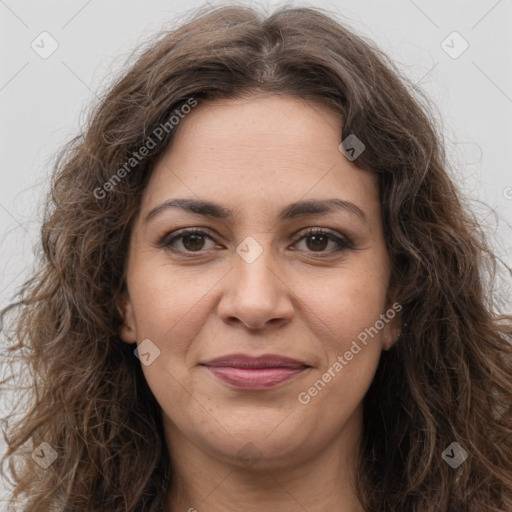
(256, 294)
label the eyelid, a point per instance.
(166, 240)
(342, 241)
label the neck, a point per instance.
(324, 481)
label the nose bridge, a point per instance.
(254, 272)
(256, 292)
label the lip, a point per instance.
(263, 372)
(263, 361)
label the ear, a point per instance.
(128, 331)
(393, 320)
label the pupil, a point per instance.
(194, 244)
(315, 240)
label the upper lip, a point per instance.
(264, 361)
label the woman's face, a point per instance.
(255, 283)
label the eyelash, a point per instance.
(167, 240)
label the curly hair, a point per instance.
(448, 379)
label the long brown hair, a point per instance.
(447, 380)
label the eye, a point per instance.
(193, 241)
(319, 239)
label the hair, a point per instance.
(448, 378)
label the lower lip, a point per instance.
(255, 378)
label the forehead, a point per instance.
(276, 149)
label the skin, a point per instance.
(299, 298)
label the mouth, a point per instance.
(264, 372)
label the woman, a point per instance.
(260, 290)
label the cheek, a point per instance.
(346, 312)
(345, 305)
(167, 299)
(170, 308)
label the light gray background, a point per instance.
(42, 101)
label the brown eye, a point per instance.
(317, 240)
(191, 241)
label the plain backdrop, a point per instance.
(43, 98)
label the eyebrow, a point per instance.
(291, 211)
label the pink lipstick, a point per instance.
(263, 372)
